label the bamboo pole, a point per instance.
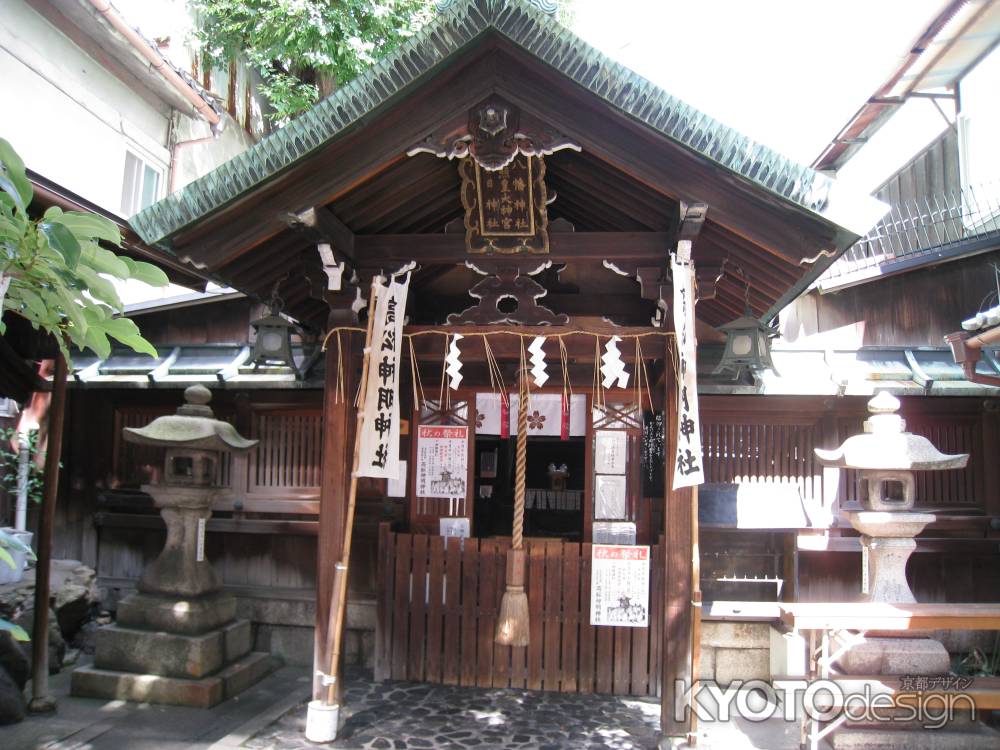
(41, 701)
(338, 611)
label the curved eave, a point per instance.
(545, 39)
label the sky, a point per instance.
(787, 73)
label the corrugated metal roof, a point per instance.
(543, 37)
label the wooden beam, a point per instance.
(321, 223)
(649, 248)
(429, 343)
(617, 306)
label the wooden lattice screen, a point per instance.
(773, 441)
(289, 455)
(762, 452)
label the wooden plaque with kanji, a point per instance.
(505, 209)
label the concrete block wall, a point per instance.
(284, 628)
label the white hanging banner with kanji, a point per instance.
(379, 452)
(688, 463)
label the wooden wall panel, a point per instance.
(565, 653)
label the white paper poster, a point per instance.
(379, 454)
(688, 463)
(619, 585)
(609, 451)
(610, 497)
(442, 461)
(397, 487)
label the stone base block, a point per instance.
(168, 654)
(978, 738)
(91, 682)
(173, 615)
(892, 656)
(741, 664)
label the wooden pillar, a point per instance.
(678, 524)
(339, 422)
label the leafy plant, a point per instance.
(9, 464)
(304, 49)
(10, 542)
(60, 277)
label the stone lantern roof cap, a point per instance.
(885, 445)
(193, 426)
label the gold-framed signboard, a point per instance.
(505, 208)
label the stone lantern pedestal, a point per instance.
(177, 640)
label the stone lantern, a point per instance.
(886, 456)
(178, 640)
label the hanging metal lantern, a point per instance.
(748, 345)
(273, 343)
(748, 340)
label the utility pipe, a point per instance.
(157, 61)
(172, 178)
(23, 470)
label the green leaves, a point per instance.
(13, 180)
(62, 280)
(63, 241)
(19, 633)
(303, 49)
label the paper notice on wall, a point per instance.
(610, 451)
(397, 487)
(379, 454)
(442, 461)
(619, 585)
(688, 464)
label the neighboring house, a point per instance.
(101, 110)
(934, 259)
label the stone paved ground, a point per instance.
(399, 716)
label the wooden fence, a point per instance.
(438, 600)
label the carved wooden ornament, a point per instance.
(509, 287)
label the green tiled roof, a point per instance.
(543, 37)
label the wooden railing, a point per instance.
(438, 603)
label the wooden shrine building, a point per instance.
(531, 186)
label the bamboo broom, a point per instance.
(512, 624)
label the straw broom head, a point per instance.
(512, 624)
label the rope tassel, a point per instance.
(512, 623)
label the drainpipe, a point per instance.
(172, 178)
(966, 349)
(156, 60)
(23, 471)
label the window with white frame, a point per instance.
(141, 184)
